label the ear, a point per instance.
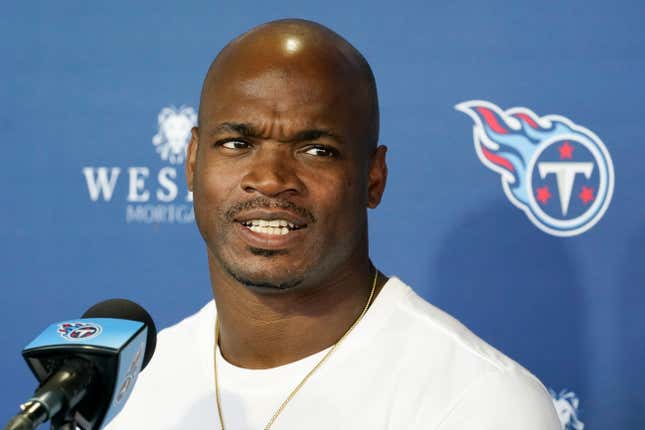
(377, 177)
(191, 157)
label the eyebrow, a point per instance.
(248, 130)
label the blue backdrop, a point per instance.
(82, 85)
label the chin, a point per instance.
(262, 280)
(267, 285)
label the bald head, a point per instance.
(295, 61)
(288, 131)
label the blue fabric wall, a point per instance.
(82, 84)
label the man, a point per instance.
(305, 333)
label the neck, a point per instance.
(259, 330)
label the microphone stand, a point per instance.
(33, 414)
(63, 424)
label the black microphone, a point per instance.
(87, 367)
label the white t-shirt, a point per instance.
(406, 365)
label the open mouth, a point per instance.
(278, 227)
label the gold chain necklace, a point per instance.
(307, 376)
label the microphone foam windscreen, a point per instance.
(127, 310)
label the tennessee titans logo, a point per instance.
(566, 404)
(79, 331)
(559, 173)
(133, 371)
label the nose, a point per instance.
(272, 172)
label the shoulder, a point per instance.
(183, 342)
(174, 378)
(182, 345)
(500, 400)
(434, 332)
(475, 379)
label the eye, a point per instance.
(233, 144)
(321, 151)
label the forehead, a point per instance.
(270, 97)
(281, 86)
(313, 91)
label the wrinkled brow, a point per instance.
(248, 130)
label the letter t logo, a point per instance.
(565, 175)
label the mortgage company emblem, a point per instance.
(153, 195)
(559, 173)
(174, 133)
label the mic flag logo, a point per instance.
(559, 173)
(133, 371)
(79, 331)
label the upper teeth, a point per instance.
(270, 223)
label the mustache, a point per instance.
(266, 203)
